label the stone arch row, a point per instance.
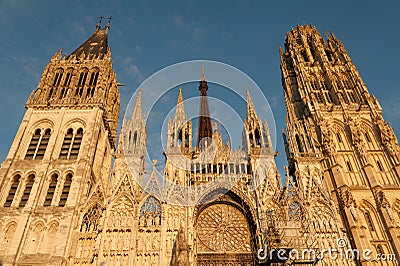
(40, 237)
(40, 135)
(56, 190)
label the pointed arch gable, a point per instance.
(119, 189)
(11, 223)
(16, 172)
(52, 222)
(74, 123)
(52, 172)
(96, 195)
(338, 125)
(121, 195)
(367, 207)
(229, 196)
(37, 222)
(90, 205)
(43, 124)
(30, 172)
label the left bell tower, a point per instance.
(61, 156)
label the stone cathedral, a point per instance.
(68, 196)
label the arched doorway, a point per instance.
(223, 236)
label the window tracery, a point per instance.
(150, 212)
(294, 211)
(88, 235)
(223, 228)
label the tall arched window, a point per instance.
(369, 221)
(82, 77)
(65, 190)
(57, 77)
(67, 82)
(349, 167)
(66, 144)
(71, 144)
(50, 237)
(150, 212)
(34, 238)
(37, 146)
(135, 138)
(92, 83)
(328, 55)
(299, 146)
(379, 249)
(51, 190)
(33, 144)
(379, 164)
(257, 137)
(68, 77)
(305, 56)
(81, 82)
(27, 190)
(13, 190)
(76, 144)
(93, 77)
(43, 144)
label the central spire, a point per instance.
(204, 127)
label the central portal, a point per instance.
(223, 237)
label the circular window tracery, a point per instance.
(223, 228)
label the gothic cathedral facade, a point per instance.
(73, 192)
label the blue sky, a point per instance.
(146, 36)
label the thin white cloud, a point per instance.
(178, 21)
(131, 68)
(191, 29)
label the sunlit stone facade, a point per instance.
(72, 192)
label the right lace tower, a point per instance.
(336, 139)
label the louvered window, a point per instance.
(65, 190)
(51, 190)
(27, 191)
(13, 190)
(37, 146)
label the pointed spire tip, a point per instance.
(203, 77)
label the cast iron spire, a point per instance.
(204, 128)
